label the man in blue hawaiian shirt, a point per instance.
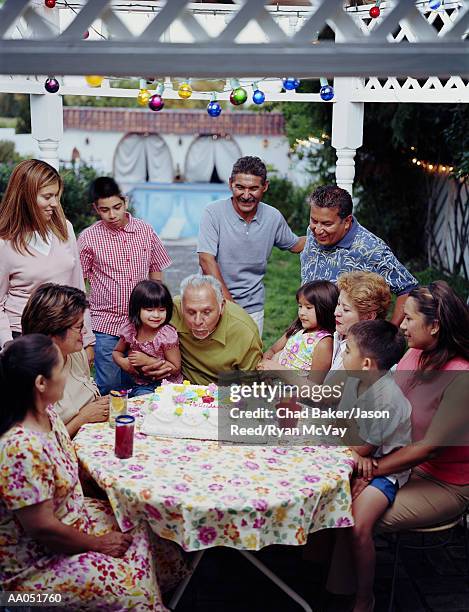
(337, 243)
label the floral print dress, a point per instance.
(297, 353)
(35, 467)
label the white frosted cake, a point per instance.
(183, 411)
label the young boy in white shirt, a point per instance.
(372, 348)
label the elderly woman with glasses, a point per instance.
(58, 311)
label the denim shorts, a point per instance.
(389, 488)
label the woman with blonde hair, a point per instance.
(37, 243)
(363, 296)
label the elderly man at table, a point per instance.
(337, 243)
(214, 335)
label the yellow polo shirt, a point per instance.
(234, 345)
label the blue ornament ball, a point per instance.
(258, 96)
(52, 85)
(434, 5)
(213, 109)
(326, 92)
(290, 83)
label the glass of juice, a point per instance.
(124, 446)
(117, 405)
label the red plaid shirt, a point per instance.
(114, 261)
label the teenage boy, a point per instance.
(116, 253)
(372, 348)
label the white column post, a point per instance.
(47, 125)
(347, 130)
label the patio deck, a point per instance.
(225, 582)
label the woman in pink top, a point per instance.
(431, 375)
(37, 243)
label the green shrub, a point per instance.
(75, 200)
(291, 201)
(8, 154)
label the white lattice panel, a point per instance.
(404, 41)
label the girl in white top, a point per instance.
(307, 343)
(37, 243)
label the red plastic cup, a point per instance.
(124, 446)
(290, 413)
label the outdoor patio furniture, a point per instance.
(447, 528)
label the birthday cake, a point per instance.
(183, 411)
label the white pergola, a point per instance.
(409, 54)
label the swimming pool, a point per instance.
(174, 210)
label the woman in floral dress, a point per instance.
(52, 539)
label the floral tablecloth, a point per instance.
(201, 494)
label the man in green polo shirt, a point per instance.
(214, 335)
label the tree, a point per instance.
(392, 192)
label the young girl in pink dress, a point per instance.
(307, 343)
(148, 336)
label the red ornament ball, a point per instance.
(50, 3)
(86, 34)
(375, 12)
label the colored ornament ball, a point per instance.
(156, 103)
(238, 96)
(94, 80)
(375, 12)
(86, 34)
(434, 5)
(213, 109)
(290, 84)
(258, 97)
(185, 91)
(52, 85)
(326, 92)
(143, 97)
(50, 3)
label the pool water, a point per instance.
(174, 210)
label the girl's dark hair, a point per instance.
(149, 294)
(438, 302)
(323, 295)
(20, 364)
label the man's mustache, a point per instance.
(247, 201)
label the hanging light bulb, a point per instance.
(143, 95)
(213, 107)
(258, 96)
(327, 91)
(291, 83)
(375, 11)
(94, 80)
(238, 95)
(51, 85)
(156, 102)
(185, 90)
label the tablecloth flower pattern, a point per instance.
(201, 494)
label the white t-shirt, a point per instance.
(388, 433)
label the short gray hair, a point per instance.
(199, 280)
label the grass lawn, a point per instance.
(7, 122)
(283, 278)
(281, 281)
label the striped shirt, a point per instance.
(114, 260)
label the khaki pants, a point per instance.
(422, 501)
